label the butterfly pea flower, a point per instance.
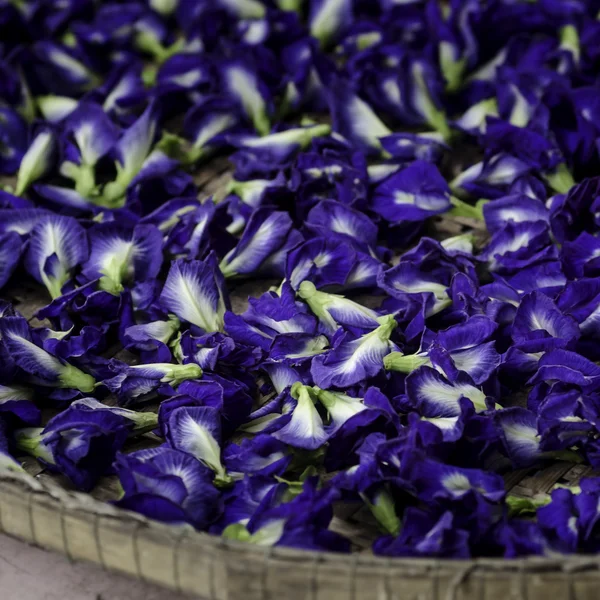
(270, 316)
(538, 319)
(547, 277)
(241, 501)
(560, 520)
(430, 392)
(188, 229)
(205, 124)
(11, 248)
(72, 343)
(435, 482)
(152, 339)
(150, 36)
(426, 535)
(519, 245)
(265, 233)
(297, 348)
(326, 173)
(458, 47)
(37, 160)
(340, 407)
(230, 397)
(568, 367)
(90, 135)
(56, 108)
(531, 186)
(120, 255)
(364, 273)
(159, 179)
(301, 521)
(519, 537)
(40, 367)
(354, 119)
(333, 218)
(579, 512)
(243, 9)
(579, 299)
(474, 120)
(83, 439)
(65, 199)
(18, 400)
(303, 426)
(255, 192)
(362, 477)
(196, 430)
(407, 280)
(136, 382)
(13, 140)
(322, 261)
(531, 147)
(408, 147)
(168, 215)
(489, 178)
(463, 347)
(216, 350)
(130, 153)
(352, 360)
(454, 254)
(328, 19)
(562, 415)
(272, 151)
(241, 83)
(183, 73)
(281, 376)
(10, 201)
(580, 256)
(192, 497)
(515, 208)
(412, 194)
(90, 305)
(520, 437)
(305, 89)
(195, 292)
(122, 90)
(57, 245)
(518, 102)
(408, 87)
(435, 428)
(333, 310)
(262, 455)
(574, 212)
(61, 70)
(164, 7)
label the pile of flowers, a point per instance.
(388, 366)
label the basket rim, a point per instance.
(35, 491)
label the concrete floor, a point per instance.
(28, 573)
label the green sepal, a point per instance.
(561, 180)
(180, 149)
(30, 441)
(72, 377)
(144, 422)
(404, 363)
(519, 507)
(463, 209)
(384, 511)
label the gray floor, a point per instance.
(28, 573)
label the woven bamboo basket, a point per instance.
(38, 507)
